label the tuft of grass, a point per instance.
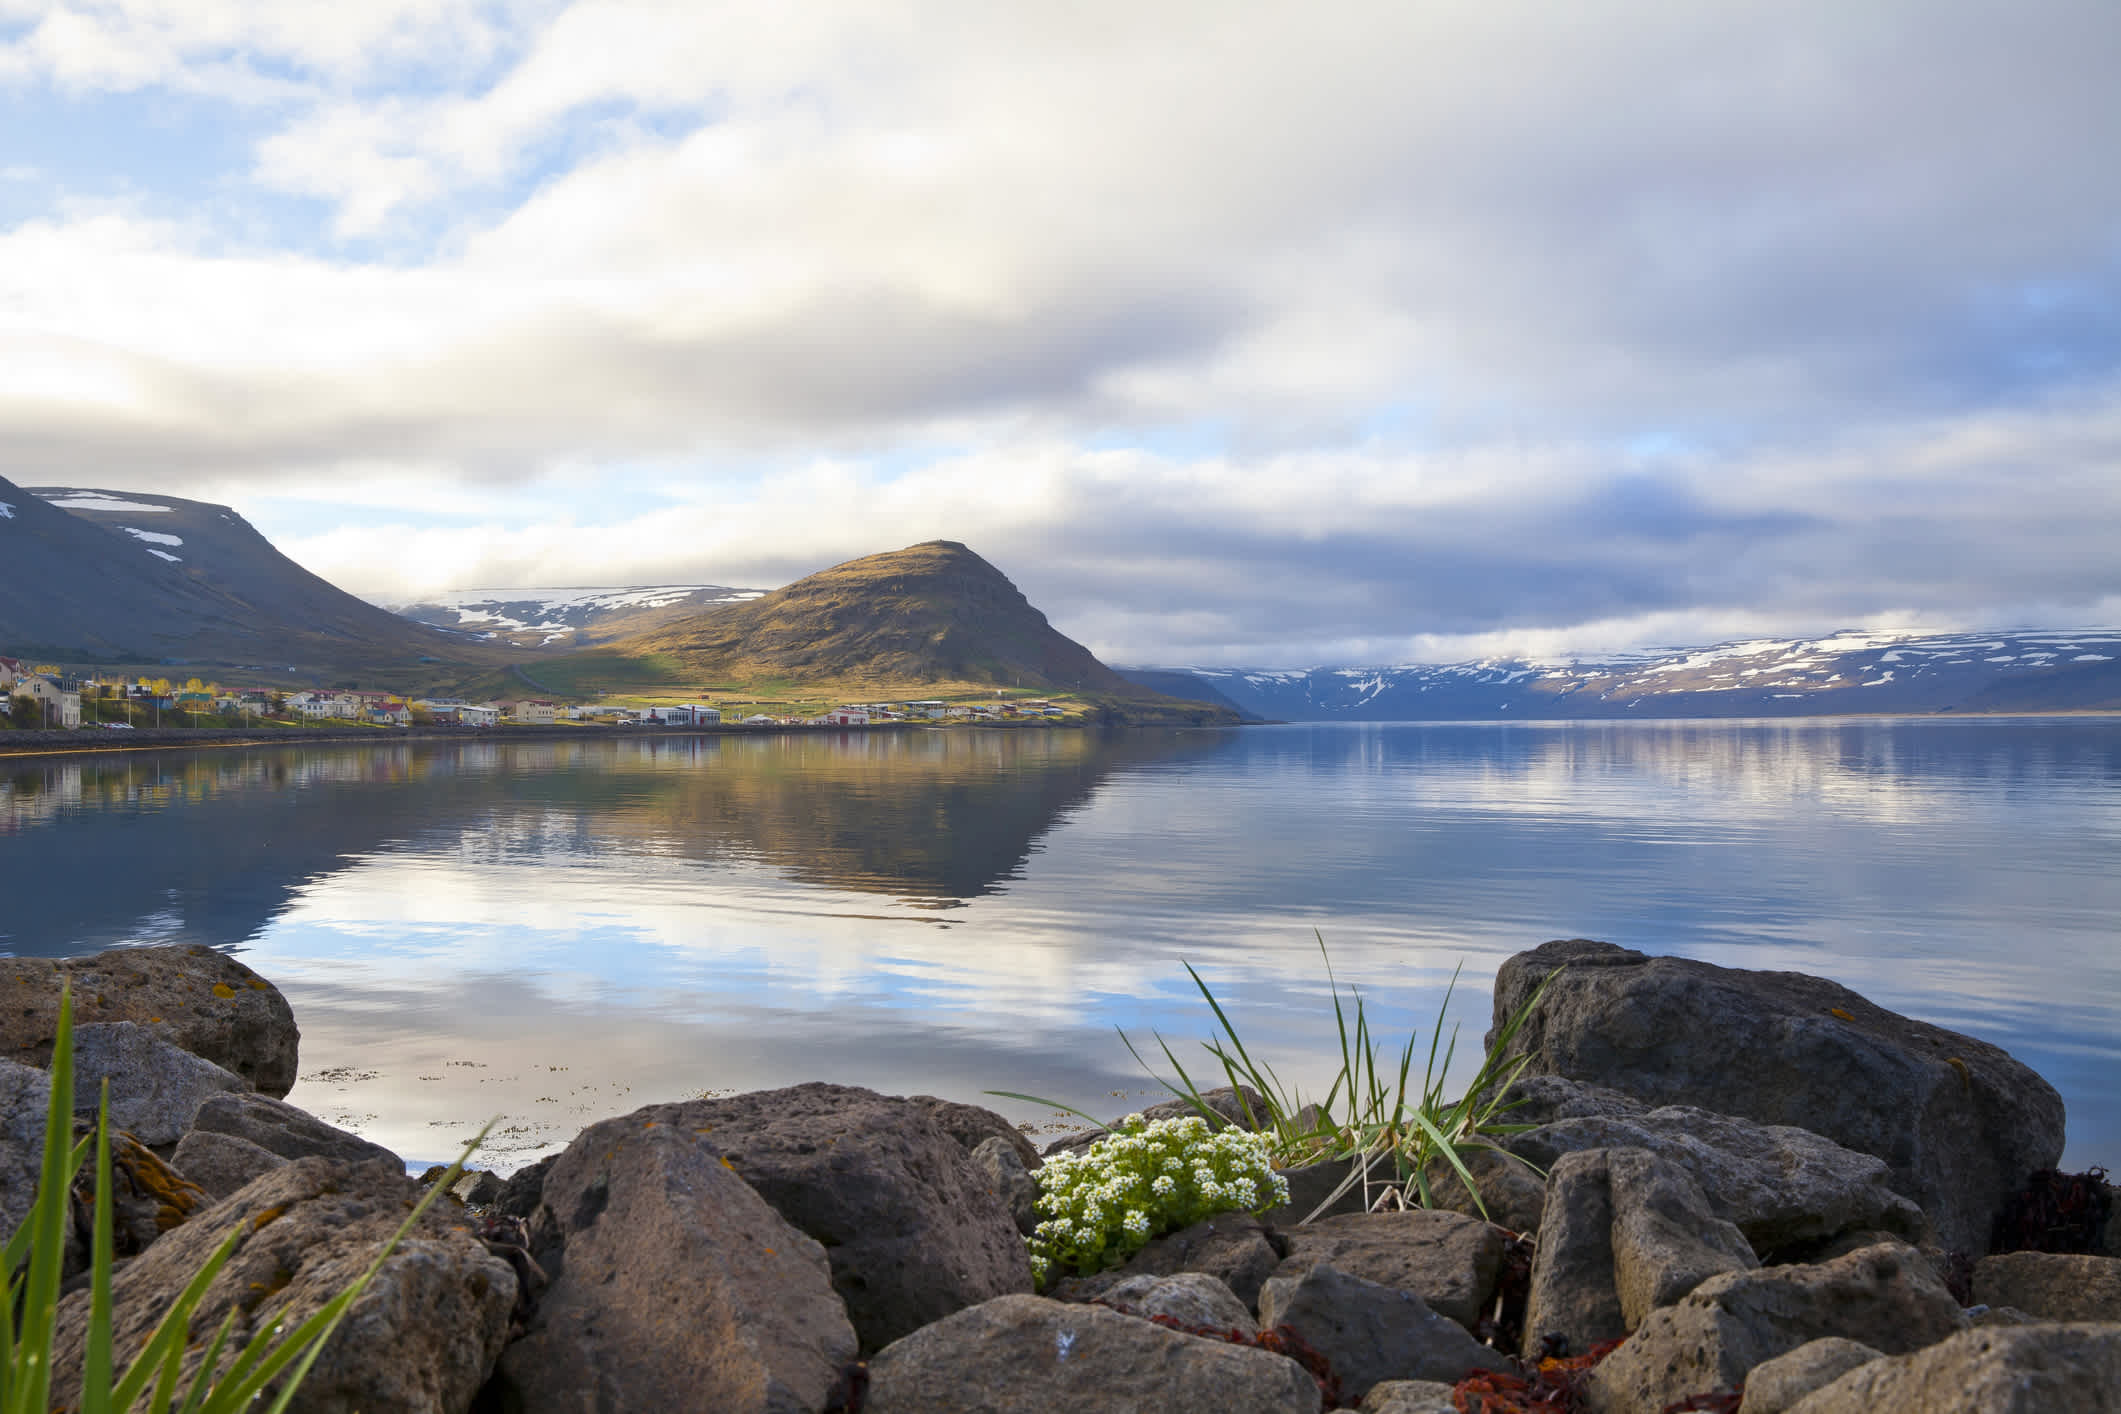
(1390, 1127)
(30, 1269)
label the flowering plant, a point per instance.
(1142, 1180)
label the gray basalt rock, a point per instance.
(280, 1128)
(1312, 1188)
(1409, 1397)
(1029, 1355)
(907, 1222)
(2043, 1369)
(1774, 1385)
(1513, 1193)
(1447, 1259)
(1003, 1169)
(674, 1286)
(192, 996)
(972, 1125)
(421, 1339)
(1959, 1122)
(1884, 1296)
(222, 1163)
(1666, 1242)
(1573, 1294)
(524, 1189)
(1780, 1185)
(1235, 1248)
(155, 1088)
(2054, 1286)
(1369, 1332)
(1191, 1298)
(25, 1098)
(1544, 1099)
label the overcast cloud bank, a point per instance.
(1233, 334)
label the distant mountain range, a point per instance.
(558, 619)
(121, 577)
(1843, 673)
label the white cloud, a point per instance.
(1403, 291)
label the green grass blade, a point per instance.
(95, 1359)
(175, 1325)
(1051, 1104)
(203, 1380)
(30, 1389)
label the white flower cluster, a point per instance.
(1142, 1180)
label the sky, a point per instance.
(1274, 333)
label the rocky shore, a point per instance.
(1740, 1191)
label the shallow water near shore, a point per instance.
(556, 931)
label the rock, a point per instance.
(524, 1189)
(972, 1126)
(1666, 1242)
(1542, 1099)
(1883, 1296)
(2053, 1286)
(1959, 1123)
(148, 1197)
(907, 1222)
(1980, 1316)
(1573, 1295)
(1781, 1185)
(1450, 1261)
(1225, 1108)
(1002, 1168)
(674, 1286)
(477, 1187)
(1775, 1385)
(25, 1100)
(421, 1339)
(191, 996)
(1234, 1248)
(155, 1087)
(280, 1128)
(1311, 1185)
(1511, 1190)
(222, 1163)
(1369, 1332)
(1189, 1298)
(1029, 1355)
(1409, 1397)
(2044, 1369)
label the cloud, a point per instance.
(1450, 320)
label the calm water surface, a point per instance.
(557, 931)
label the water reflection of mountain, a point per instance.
(209, 846)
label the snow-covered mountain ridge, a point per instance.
(1851, 672)
(565, 617)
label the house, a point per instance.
(685, 714)
(472, 715)
(847, 717)
(758, 719)
(391, 714)
(57, 706)
(11, 672)
(532, 710)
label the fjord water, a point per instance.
(553, 931)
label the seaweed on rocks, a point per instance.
(2055, 1212)
(1554, 1387)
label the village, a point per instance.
(45, 697)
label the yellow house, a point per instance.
(533, 711)
(60, 708)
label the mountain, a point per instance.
(561, 619)
(928, 615)
(1843, 673)
(127, 578)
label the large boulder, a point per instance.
(973, 1125)
(281, 1128)
(674, 1286)
(2038, 1369)
(1780, 1185)
(1234, 1248)
(1959, 1123)
(1370, 1332)
(222, 1163)
(25, 1100)
(191, 996)
(1029, 1355)
(1666, 1241)
(421, 1339)
(1447, 1259)
(1884, 1296)
(2054, 1286)
(155, 1088)
(909, 1224)
(1194, 1300)
(1512, 1194)
(1574, 1301)
(1774, 1385)
(1007, 1179)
